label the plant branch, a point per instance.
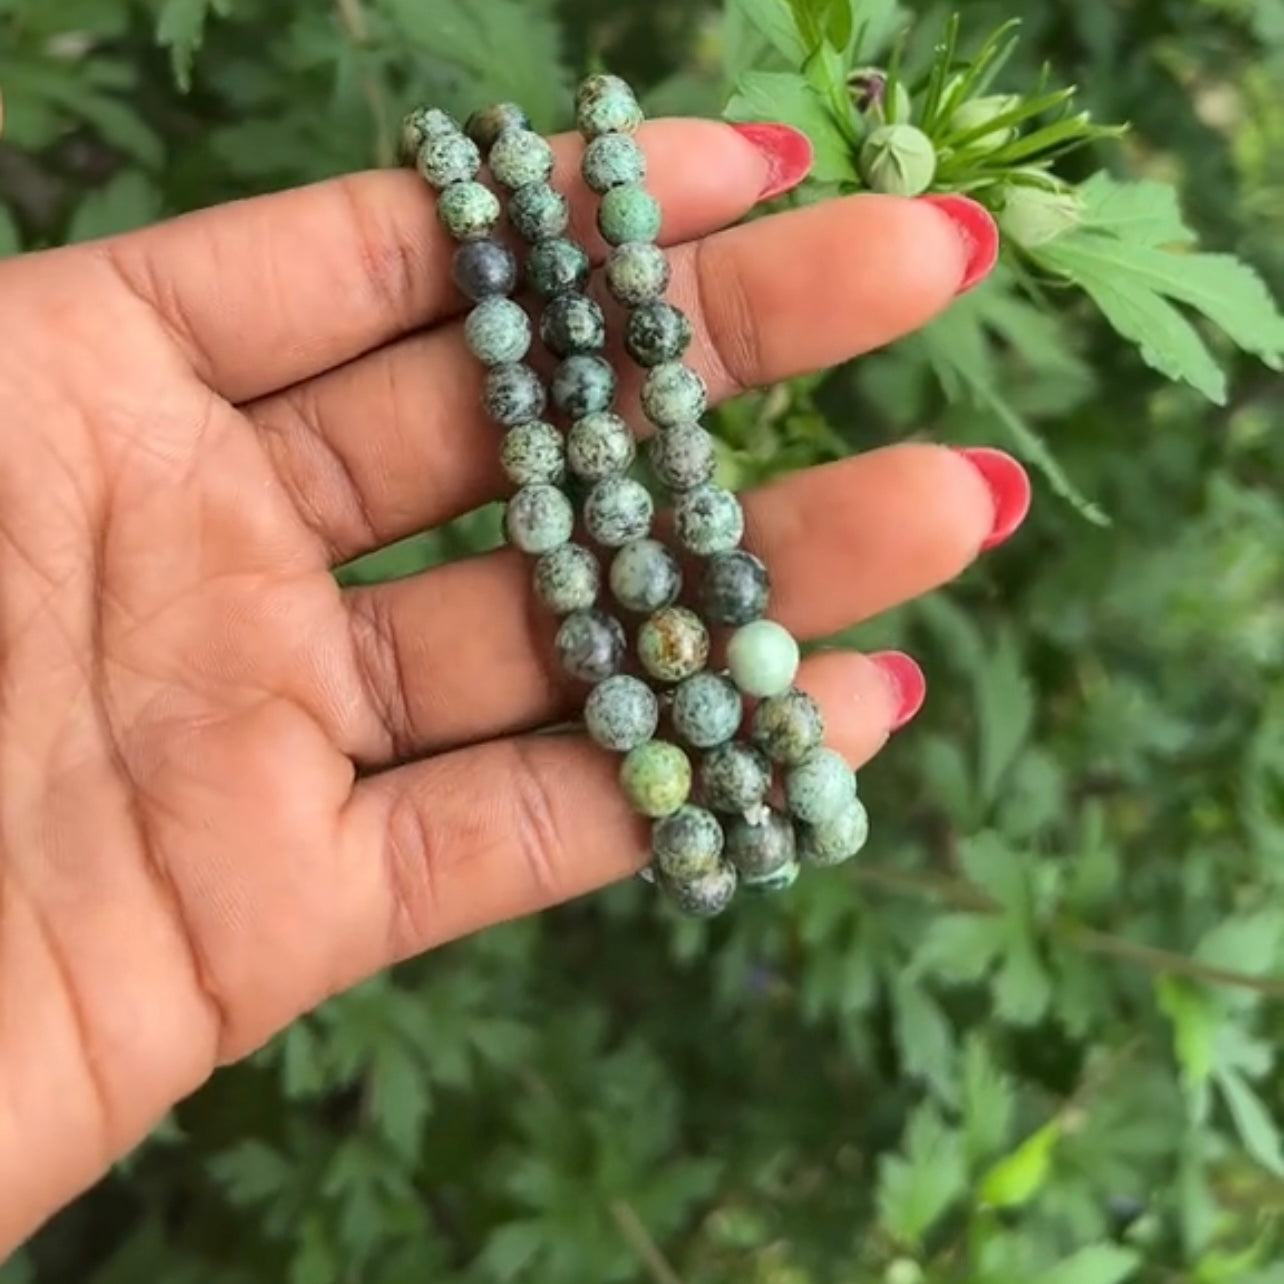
(639, 1240)
(352, 18)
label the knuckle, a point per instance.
(381, 667)
(537, 829)
(734, 337)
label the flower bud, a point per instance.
(868, 89)
(898, 160)
(980, 111)
(1035, 216)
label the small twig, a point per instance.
(352, 19)
(639, 1240)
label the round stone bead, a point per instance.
(763, 846)
(513, 394)
(621, 713)
(600, 445)
(734, 588)
(687, 843)
(468, 210)
(590, 645)
(568, 579)
(734, 777)
(583, 385)
(484, 268)
(617, 510)
(819, 787)
(533, 453)
(763, 658)
(611, 160)
(645, 576)
(420, 125)
(656, 332)
(674, 394)
(556, 267)
(707, 710)
(684, 456)
(708, 520)
(628, 213)
(519, 157)
(788, 727)
(673, 644)
(637, 272)
(498, 332)
(539, 518)
(605, 104)
(572, 323)
(486, 125)
(447, 158)
(778, 881)
(704, 896)
(656, 778)
(538, 212)
(835, 840)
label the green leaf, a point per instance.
(400, 1099)
(775, 20)
(787, 97)
(916, 1190)
(1195, 1020)
(1022, 987)
(10, 237)
(992, 865)
(1019, 1177)
(129, 201)
(989, 1102)
(17, 1270)
(251, 1172)
(1005, 712)
(511, 1250)
(1257, 1130)
(1248, 943)
(180, 27)
(1098, 1264)
(925, 1038)
(1145, 213)
(961, 948)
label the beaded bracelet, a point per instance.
(739, 837)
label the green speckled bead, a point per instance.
(538, 212)
(656, 332)
(468, 210)
(763, 846)
(532, 453)
(600, 445)
(656, 778)
(687, 843)
(708, 520)
(590, 645)
(605, 104)
(628, 213)
(674, 394)
(734, 777)
(612, 160)
(779, 880)
(572, 323)
(788, 727)
(498, 332)
(555, 267)
(520, 157)
(645, 576)
(673, 644)
(763, 658)
(684, 456)
(705, 895)
(484, 268)
(568, 579)
(583, 385)
(707, 710)
(819, 787)
(448, 158)
(420, 125)
(637, 272)
(538, 518)
(513, 394)
(735, 588)
(835, 840)
(486, 125)
(617, 510)
(621, 713)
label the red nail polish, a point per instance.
(980, 234)
(788, 152)
(906, 680)
(1009, 485)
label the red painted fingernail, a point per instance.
(906, 680)
(1009, 485)
(788, 152)
(980, 234)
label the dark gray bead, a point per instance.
(519, 157)
(621, 713)
(708, 520)
(637, 272)
(673, 644)
(513, 394)
(590, 645)
(568, 579)
(583, 385)
(707, 710)
(788, 727)
(656, 332)
(645, 576)
(556, 267)
(538, 518)
(683, 457)
(612, 160)
(617, 510)
(734, 588)
(572, 323)
(447, 158)
(468, 210)
(734, 777)
(628, 213)
(600, 445)
(604, 104)
(533, 453)
(686, 843)
(761, 847)
(498, 331)
(486, 125)
(820, 786)
(538, 212)
(703, 896)
(837, 839)
(673, 394)
(484, 268)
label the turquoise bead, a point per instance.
(762, 846)
(485, 125)
(673, 644)
(645, 576)
(468, 210)
(820, 786)
(533, 453)
(734, 777)
(448, 158)
(779, 880)
(628, 213)
(556, 267)
(708, 520)
(683, 457)
(788, 727)
(835, 840)
(707, 710)
(539, 518)
(687, 843)
(618, 510)
(520, 157)
(604, 104)
(621, 713)
(590, 645)
(704, 895)
(637, 272)
(735, 588)
(763, 658)
(583, 385)
(568, 579)
(498, 332)
(673, 394)
(656, 778)
(600, 445)
(572, 323)
(655, 333)
(612, 160)
(538, 212)
(513, 394)
(420, 125)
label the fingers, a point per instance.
(263, 293)
(397, 441)
(843, 543)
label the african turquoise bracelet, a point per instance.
(747, 830)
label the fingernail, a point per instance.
(788, 152)
(979, 232)
(1009, 485)
(907, 682)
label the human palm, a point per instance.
(229, 788)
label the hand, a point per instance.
(229, 789)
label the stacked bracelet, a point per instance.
(747, 829)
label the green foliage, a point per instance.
(1035, 1034)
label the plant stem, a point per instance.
(352, 19)
(639, 1240)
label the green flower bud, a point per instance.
(868, 89)
(980, 111)
(1035, 216)
(904, 1270)
(898, 160)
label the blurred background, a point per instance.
(1001, 1047)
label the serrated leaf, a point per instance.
(1195, 1020)
(400, 1100)
(774, 19)
(1019, 1177)
(180, 27)
(961, 948)
(787, 97)
(1097, 1264)
(988, 1101)
(251, 1172)
(1248, 943)
(1022, 986)
(1257, 1130)
(925, 1039)
(917, 1188)
(993, 866)
(1005, 712)
(1144, 213)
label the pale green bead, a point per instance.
(617, 511)
(707, 710)
(485, 125)
(673, 394)
(498, 331)
(533, 453)
(600, 445)
(621, 713)
(539, 518)
(611, 161)
(520, 157)
(645, 576)
(567, 579)
(684, 456)
(538, 212)
(656, 778)
(788, 727)
(708, 520)
(820, 786)
(763, 658)
(448, 158)
(468, 210)
(637, 272)
(420, 125)
(604, 104)
(837, 839)
(628, 213)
